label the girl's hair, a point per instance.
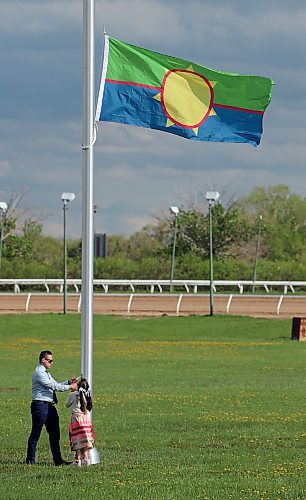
(85, 396)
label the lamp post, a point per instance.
(175, 212)
(66, 198)
(211, 196)
(3, 209)
(257, 253)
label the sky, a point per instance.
(140, 173)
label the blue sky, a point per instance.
(139, 173)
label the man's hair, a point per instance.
(43, 354)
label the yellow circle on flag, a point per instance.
(186, 97)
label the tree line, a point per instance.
(273, 214)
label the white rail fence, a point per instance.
(159, 286)
(157, 304)
(152, 297)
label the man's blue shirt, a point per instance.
(43, 385)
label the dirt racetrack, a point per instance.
(281, 306)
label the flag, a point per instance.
(152, 90)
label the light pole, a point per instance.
(211, 196)
(257, 253)
(175, 212)
(3, 209)
(66, 198)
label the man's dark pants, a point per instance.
(44, 414)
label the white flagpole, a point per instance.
(88, 139)
(87, 188)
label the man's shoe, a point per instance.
(29, 462)
(63, 462)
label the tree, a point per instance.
(231, 228)
(141, 245)
(284, 216)
(20, 227)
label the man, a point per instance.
(43, 409)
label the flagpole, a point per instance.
(88, 140)
(87, 188)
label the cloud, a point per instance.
(137, 171)
(4, 168)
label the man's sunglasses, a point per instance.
(49, 360)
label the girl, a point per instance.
(81, 433)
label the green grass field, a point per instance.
(184, 408)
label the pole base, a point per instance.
(94, 456)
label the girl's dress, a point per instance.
(81, 434)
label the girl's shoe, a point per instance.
(76, 463)
(85, 463)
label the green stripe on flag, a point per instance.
(129, 63)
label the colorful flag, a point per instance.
(152, 90)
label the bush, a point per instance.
(115, 268)
(232, 269)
